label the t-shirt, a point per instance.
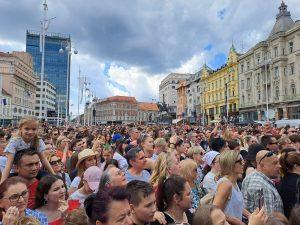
(75, 183)
(123, 165)
(79, 196)
(32, 190)
(209, 182)
(17, 144)
(145, 176)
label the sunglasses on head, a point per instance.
(267, 155)
(55, 162)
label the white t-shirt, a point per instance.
(209, 183)
(17, 143)
(123, 165)
(75, 183)
(78, 196)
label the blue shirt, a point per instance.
(38, 215)
(145, 176)
(17, 144)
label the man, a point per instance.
(270, 143)
(134, 135)
(258, 188)
(142, 202)
(113, 177)
(137, 161)
(27, 164)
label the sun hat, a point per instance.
(92, 176)
(84, 154)
(209, 157)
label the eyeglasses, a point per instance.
(55, 162)
(16, 197)
(240, 161)
(267, 155)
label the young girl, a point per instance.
(27, 138)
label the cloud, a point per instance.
(221, 14)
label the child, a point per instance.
(27, 138)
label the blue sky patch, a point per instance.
(218, 60)
(208, 47)
(221, 14)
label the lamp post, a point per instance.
(267, 61)
(203, 102)
(68, 49)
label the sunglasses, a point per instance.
(56, 162)
(240, 161)
(267, 155)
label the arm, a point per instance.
(64, 157)
(8, 166)
(45, 162)
(222, 195)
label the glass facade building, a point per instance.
(57, 64)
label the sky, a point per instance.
(126, 47)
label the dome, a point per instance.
(284, 21)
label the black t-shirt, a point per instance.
(170, 220)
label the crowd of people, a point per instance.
(149, 174)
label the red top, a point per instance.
(32, 189)
(73, 204)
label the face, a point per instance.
(107, 155)
(273, 146)
(134, 135)
(148, 145)
(198, 157)
(16, 195)
(186, 146)
(145, 210)
(270, 166)
(90, 161)
(216, 163)
(57, 192)
(194, 137)
(80, 145)
(118, 213)
(239, 166)
(252, 140)
(29, 166)
(117, 177)
(140, 161)
(29, 130)
(186, 200)
(56, 164)
(55, 134)
(174, 168)
(218, 217)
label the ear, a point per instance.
(176, 198)
(131, 208)
(98, 223)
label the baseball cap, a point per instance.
(92, 176)
(116, 137)
(209, 157)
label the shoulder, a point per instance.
(35, 213)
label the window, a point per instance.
(258, 96)
(275, 51)
(242, 84)
(258, 78)
(173, 87)
(292, 68)
(248, 65)
(283, 51)
(248, 83)
(276, 73)
(277, 93)
(293, 89)
(258, 58)
(242, 68)
(291, 45)
(243, 99)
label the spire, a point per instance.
(283, 11)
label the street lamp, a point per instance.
(267, 61)
(68, 49)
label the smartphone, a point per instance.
(261, 199)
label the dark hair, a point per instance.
(294, 138)
(111, 162)
(265, 140)
(142, 138)
(288, 160)
(233, 144)
(9, 182)
(43, 188)
(131, 154)
(217, 144)
(21, 153)
(166, 189)
(203, 215)
(138, 190)
(294, 217)
(97, 205)
(2, 133)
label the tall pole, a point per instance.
(68, 78)
(226, 93)
(78, 103)
(203, 108)
(58, 111)
(267, 100)
(43, 33)
(1, 103)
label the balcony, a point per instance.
(291, 97)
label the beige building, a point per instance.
(19, 81)
(269, 73)
(147, 112)
(5, 108)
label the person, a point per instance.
(147, 144)
(289, 188)
(258, 188)
(218, 144)
(250, 159)
(76, 217)
(295, 138)
(27, 165)
(121, 144)
(142, 202)
(294, 217)
(228, 196)
(27, 138)
(173, 198)
(57, 167)
(160, 145)
(86, 159)
(14, 201)
(91, 179)
(196, 153)
(55, 133)
(284, 142)
(50, 199)
(107, 154)
(211, 160)
(108, 207)
(137, 162)
(166, 164)
(270, 143)
(188, 170)
(26, 220)
(134, 135)
(113, 177)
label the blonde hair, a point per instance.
(25, 121)
(162, 163)
(76, 217)
(227, 161)
(27, 220)
(186, 168)
(160, 142)
(194, 150)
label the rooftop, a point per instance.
(121, 99)
(148, 106)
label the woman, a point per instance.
(107, 154)
(250, 159)
(86, 159)
(188, 170)
(119, 154)
(108, 206)
(90, 180)
(289, 189)
(228, 196)
(14, 200)
(211, 160)
(173, 198)
(50, 199)
(166, 164)
(57, 167)
(196, 153)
